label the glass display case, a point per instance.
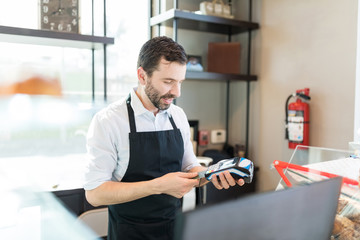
(27, 212)
(311, 164)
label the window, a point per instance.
(127, 24)
(62, 134)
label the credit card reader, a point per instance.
(238, 168)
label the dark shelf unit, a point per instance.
(219, 76)
(52, 38)
(197, 22)
(182, 19)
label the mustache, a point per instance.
(168, 96)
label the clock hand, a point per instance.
(55, 12)
(59, 11)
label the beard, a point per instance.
(155, 98)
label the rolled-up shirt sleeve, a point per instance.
(101, 154)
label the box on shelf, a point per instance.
(224, 57)
(214, 8)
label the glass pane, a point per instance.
(130, 32)
(28, 213)
(311, 164)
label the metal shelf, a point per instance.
(198, 22)
(219, 76)
(52, 38)
(182, 19)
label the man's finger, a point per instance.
(216, 183)
(229, 178)
(188, 174)
(224, 183)
(240, 182)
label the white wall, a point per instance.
(357, 88)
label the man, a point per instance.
(141, 157)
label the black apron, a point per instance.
(152, 155)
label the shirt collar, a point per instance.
(139, 108)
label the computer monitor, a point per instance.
(302, 212)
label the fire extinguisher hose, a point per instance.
(286, 116)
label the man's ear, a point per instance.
(141, 75)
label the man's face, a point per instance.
(165, 84)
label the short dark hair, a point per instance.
(156, 48)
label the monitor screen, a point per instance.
(302, 212)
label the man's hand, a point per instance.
(226, 181)
(176, 184)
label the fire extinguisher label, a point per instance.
(296, 126)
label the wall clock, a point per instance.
(59, 15)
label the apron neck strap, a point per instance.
(131, 114)
(132, 118)
(172, 122)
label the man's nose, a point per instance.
(176, 89)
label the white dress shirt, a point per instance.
(108, 139)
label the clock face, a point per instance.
(60, 15)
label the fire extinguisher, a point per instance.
(297, 118)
